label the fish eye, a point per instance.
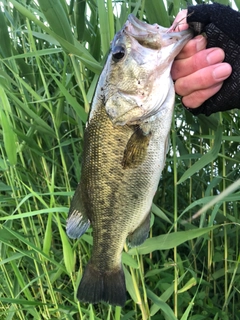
(118, 53)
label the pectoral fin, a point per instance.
(140, 234)
(77, 222)
(136, 149)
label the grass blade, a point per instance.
(171, 240)
(206, 158)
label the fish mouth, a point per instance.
(146, 52)
(144, 27)
(154, 36)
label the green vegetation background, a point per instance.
(51, 54)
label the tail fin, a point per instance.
(107, 286)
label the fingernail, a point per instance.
(200, 42)
(215, 56)
(222, 72)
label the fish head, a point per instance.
(136, 79)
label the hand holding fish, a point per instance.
(199, 72)
(206, 72)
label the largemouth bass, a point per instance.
(125, 145)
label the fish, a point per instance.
(125, 144)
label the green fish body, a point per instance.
(125, 145)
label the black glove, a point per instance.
(222, 27)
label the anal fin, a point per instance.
(77, 221)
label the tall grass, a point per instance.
(51, 55)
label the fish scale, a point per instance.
(113, 196)
(125, 145)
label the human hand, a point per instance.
(198, 72)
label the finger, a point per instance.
(197, 98)
(180, 22)
(203, 79)
(202, 59)
(193, 46)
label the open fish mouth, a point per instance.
(143, 27)
(150, 49)
(153, 36)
